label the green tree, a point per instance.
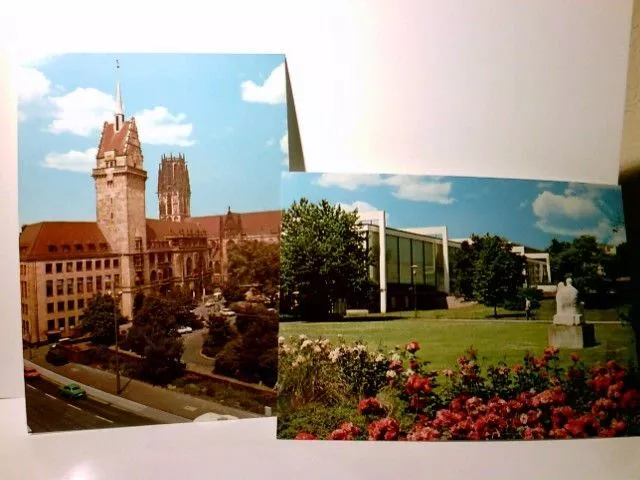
(99, 319)
(323, 257)
(254, 262)
(219, 334)
(154, 336)
(463, 261)
(181, 304)
(497, 272)
(583, 260)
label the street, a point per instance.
(192, 348)
(48, 411)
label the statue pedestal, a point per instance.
(572, 336)
(567, 319)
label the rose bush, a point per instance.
(403, 400)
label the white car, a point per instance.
(183, 330)
(228, 313)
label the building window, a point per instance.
(61, 323)
(80, 303)
(70, 286)
(49, 288)
(69, 267)
(107, 264)
(116, 263)
(66, 248)
(89, 284)
(109, 182)
(98, 283)
(53, 249)
(80, 285)
(60, 306)
(71, 305)
(48, 268)
(51, 324)
(107, 282)
(79, 247)
(98, 264)
(50, 307)
(58, 267)
(138, 243)
(60, 287)
(152, 258)
(92, 247)
(72, 322)
(88, 264)
(116, 280)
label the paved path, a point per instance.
(159, 398)
(192, 350)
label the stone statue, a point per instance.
(566, 302)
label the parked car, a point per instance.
(185, 329)
(214, 417)
(56, 357)
(72, 390)
(30, 372)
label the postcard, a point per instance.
(425, 308)
(149, 192)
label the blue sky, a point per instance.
(524, 211)
(226, 113)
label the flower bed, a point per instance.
(349, 392)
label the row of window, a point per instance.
(81, 284)
(70, 305)
(79, 247)
(62, 323)
(87, 265)
(23, 270)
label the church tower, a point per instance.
(174, 192)
(120, 181)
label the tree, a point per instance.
(583, 260)
(181, 304)
(462, 265)
(324, 257)
(255, 262)
(99, 319)
(219, 334)
(154, 336)
(497, 272)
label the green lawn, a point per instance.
(442, 341)
(546, 312)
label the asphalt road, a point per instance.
(48, 411)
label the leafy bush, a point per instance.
(219, 334)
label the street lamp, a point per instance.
(415, 294)
(117, 332)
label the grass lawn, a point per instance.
(443, 341)
(546, 312)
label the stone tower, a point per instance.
(174, 192)
(120, 181)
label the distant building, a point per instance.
(64, 264)
(419, 258)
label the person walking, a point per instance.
(527, 309)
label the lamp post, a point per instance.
(415, 294)
(116, 327)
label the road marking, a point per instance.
(50, 396)
(31, 387)
(190, 408)
(73, 406)
(105, 419)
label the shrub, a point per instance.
(219, 334)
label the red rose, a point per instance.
(384, 429)
(630, 399)
(517, 368)
(423, 433)
(575, 357)
(305, 436)
(413, 347)
(396, 365)
(370, 406)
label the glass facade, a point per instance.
(404, 252)
(393, 266)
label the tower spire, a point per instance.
(119, 113)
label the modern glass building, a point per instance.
(411, 266)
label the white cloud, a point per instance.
(83, 111)
(602, 230)
(413, 188)
(271, 142)
(159, 127)
(271, 92)
(284, 148)
(545, 185)
(31, 84)
(349, 181)
(523, 204)
(619, 236)
(407, 187)
(360, 205)
(572, 206)
(73, 161)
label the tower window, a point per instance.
(138, 243)
(109, 183)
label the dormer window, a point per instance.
(66, 248)
(53, 249)
(92, 247)
(104, 247)
(79, 247)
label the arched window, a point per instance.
(189, 266)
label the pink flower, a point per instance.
(575, 357)
(346, 431)
(305, 436)
(384, 429)
(370, 406)
(413, 347)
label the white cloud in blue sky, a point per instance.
(524, 211)
(225, 113)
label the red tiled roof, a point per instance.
(160, 229)
(112, 140)
(62, 240)
(253, 223)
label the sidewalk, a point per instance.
(159, 398)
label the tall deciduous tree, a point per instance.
(497, 273)
(254, 262)
(462, 266)
(154, 336)
(99, 318)
(323, 256)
